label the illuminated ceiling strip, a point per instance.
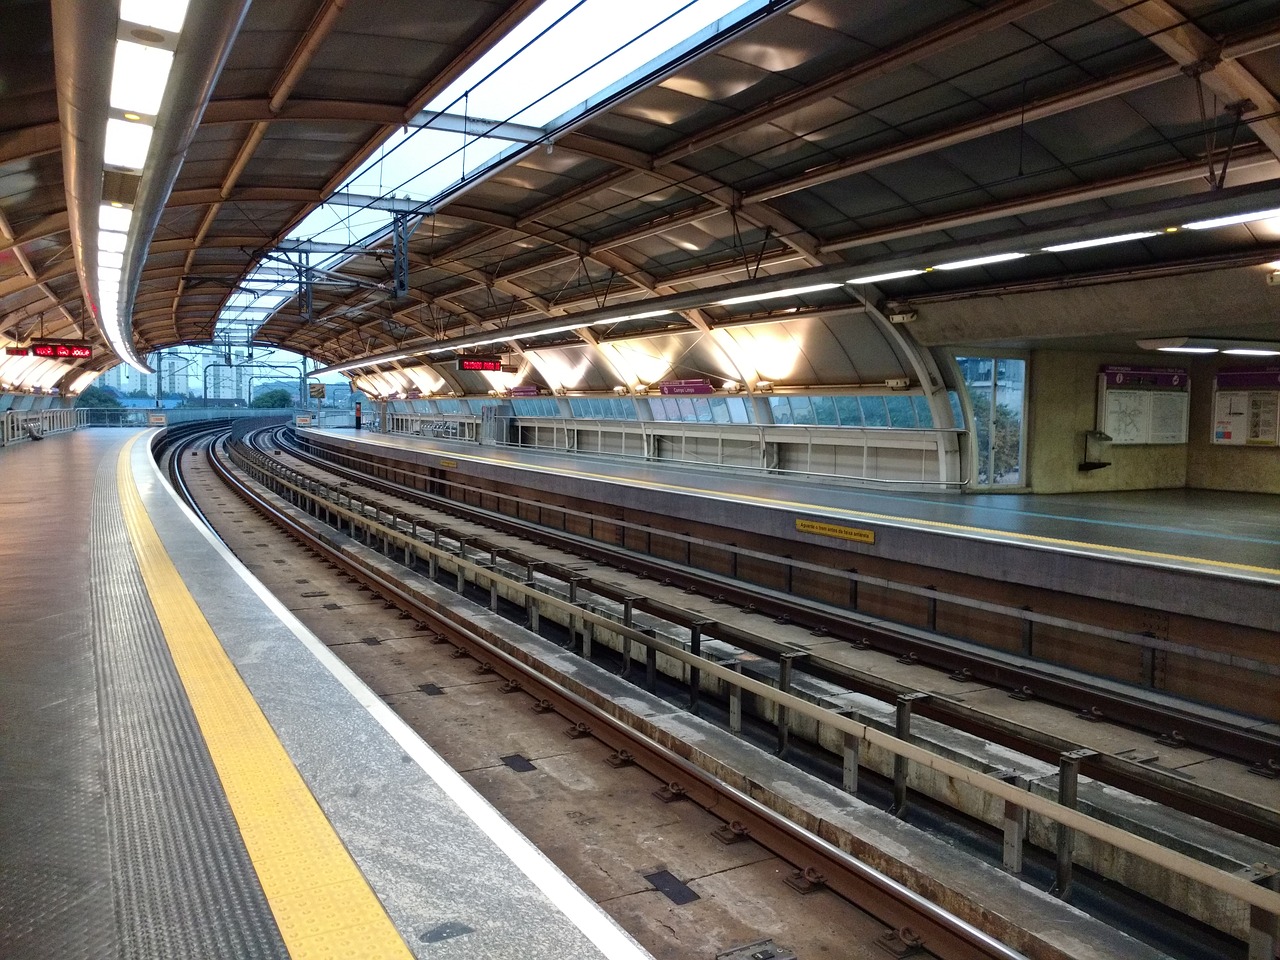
(1100, 242)
(1233, 219)
(978, 261)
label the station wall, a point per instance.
(1062, 405)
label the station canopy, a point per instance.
(606, 193)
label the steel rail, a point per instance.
(1260, 823)
(899, 907)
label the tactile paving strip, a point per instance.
(183, 882)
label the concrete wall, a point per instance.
(1213, 466)
(1063, 405)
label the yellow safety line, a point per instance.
(321, 902)
(891, 518)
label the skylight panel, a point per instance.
(559, 63)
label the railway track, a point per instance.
(914, 925)
(383, 514)
(1080, 693)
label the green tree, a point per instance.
(272, 400)
(999, 442)
(95, 396)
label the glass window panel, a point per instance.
(686, 411)
(719, 410)
(901, 412)
(577, 406)
(802, 410)
(781, 409)
(874, 413)
(997, 395)
(956, 411)
(739, 409)
(824, 411)
(924, 416)
(702, 409)
(848, 411)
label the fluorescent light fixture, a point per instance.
(643, 316)
(1234, 218)
(114, 218)
(138, 77)
(881, 277)
(1099, 242)
(160, 14)
(792, 292)
(1187, 349)
(127, 144)
(979, 261)
(1251, 352)
(111, 241)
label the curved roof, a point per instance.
(820, 143)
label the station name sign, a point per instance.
(58, 351)
(670, 388)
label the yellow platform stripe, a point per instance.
(1012, 536)
(321, 902)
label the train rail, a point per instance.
(918, 923)
(398, 532)
(1127, 707)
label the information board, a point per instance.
(1246, 407)
(1144, 416)
(1246, 418)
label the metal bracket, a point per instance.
(401, 231)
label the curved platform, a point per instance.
(1201, 553)
(185, 771)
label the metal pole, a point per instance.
(785, 662)
(1068, 776)
(1015, 830)
(901, 765)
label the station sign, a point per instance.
(302, 420)
(524, 390)
(1151, 378)
(484, 365)
(670, 388)
(1248, 378)
(58, 351)
(157, 419)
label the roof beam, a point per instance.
(27, 143)
(1180, 171)
(1200, 55)
(942, 37)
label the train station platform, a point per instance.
(186, 771)
(1205, 554)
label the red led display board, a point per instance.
(482, 364)
(61, 351)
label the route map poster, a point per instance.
(1139, 405)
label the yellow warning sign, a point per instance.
(448, 464)
(836, 530)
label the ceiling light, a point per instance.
(111, 241)
(1234, 218)
(881, 277)
(160, 14)
(792, 292)
(114, 217)
(139, 76)
(1252, 352)
(1187, 349)
(108, 259)
(1099, 242)
(127, 144)
(978, 261)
